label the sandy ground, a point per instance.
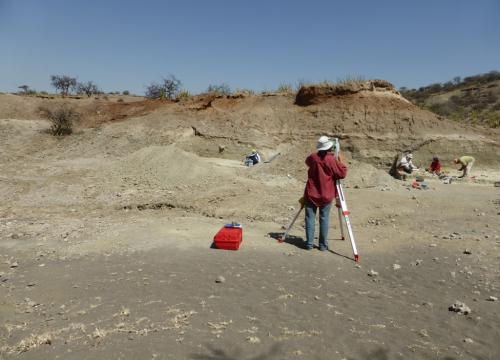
(105, 253)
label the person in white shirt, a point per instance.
(406, 166)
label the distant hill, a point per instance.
(473, 99)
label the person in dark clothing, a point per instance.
(253, 159)
(324, 170)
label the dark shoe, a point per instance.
(323, 248)
(308, 247)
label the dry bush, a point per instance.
(62, 119)
(285, 88)
(88, 88)
(184, 95)
(351, 79)
(219, 90)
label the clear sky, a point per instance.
(256, 44)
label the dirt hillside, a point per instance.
(105, 234)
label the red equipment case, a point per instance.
(229, 238)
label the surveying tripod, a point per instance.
(341, 204)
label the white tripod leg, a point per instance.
(345, 213)
(283, 237)
(340, 223)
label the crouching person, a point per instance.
(405, 166)
(324, 170)
(466, 163)
(253, 158)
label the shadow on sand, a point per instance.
(301, 243)
(219, 354)
(290, 239)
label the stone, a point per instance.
(220, 279)
(467, 251)
(460, 307)
(492, 298)
(396, 266)
(253, 340)
(468, 341)
(14, 265)
(373, 273)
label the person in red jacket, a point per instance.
(435, 166)
(320, 191)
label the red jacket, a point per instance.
(435, 166)
(320, 188)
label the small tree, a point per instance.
(62, 119)
(126, 92)
(63, 83)
(222, 89)
(169, 88)
(88, 88)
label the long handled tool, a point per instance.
(283, 237)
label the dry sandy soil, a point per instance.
(105, 235)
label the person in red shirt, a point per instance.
(435, 166)
(324, 170)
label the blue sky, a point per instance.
(125, 45)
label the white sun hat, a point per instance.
(324, 143)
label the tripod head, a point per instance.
(336, 147)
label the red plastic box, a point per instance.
(228, 238)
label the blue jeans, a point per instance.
(324, 221)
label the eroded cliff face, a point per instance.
(316, 94)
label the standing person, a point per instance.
(466, 163)
(320, 190)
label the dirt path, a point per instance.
(145, 287)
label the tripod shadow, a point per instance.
(341, 255)
(301, 243)
(290, 239)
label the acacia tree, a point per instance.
(169, 88)
(24, 88)
(88, 88)
(63, 83)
